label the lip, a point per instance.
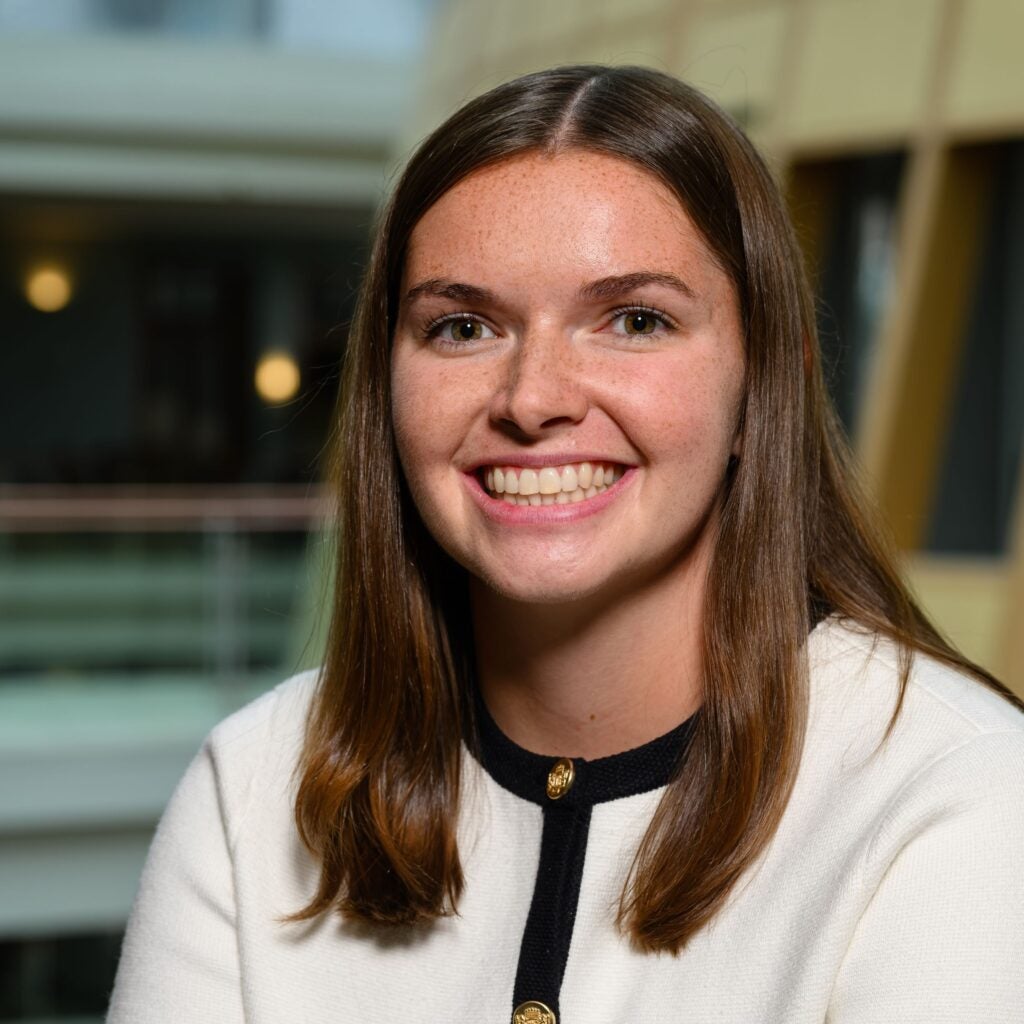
(538, 515)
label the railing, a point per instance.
(133, 580)
(59, 510)
(131, 621)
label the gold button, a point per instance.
(560, 780)
(532, 1012)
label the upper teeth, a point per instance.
(552, 484)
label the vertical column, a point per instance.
(911, 382)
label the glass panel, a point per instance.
(202, 353)
(856, 272)
(56, 978)
(981, 463)
(215, 603)
(122, 646)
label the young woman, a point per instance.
(626, 713)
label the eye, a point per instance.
(458, 329)
(639, 322)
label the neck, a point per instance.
(592, 678)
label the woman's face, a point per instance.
(567, 377)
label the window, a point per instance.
(980, 466)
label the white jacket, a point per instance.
(893, 890)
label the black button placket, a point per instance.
(566, 792)
(556, 894)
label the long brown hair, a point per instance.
(379, 777)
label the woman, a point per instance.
(619, 667)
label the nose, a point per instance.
(543, 386)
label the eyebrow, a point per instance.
(603, 288)
(609, 287)
(456, 290)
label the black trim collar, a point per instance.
(524, 773)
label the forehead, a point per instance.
(572, 212)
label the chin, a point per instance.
(542, 594)
(538, 587)
(554, 588)
(586, 582)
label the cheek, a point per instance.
(408, 414)
(690, 409)
(405, 402)
(425, 413)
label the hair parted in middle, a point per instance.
(379, 779)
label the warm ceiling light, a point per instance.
(48, 289)
(277, 377)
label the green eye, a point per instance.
(640, 323)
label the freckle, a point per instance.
(592, 717)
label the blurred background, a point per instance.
(186, 194)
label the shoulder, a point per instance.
(227, 831)
(955, 739)
(280, 712)
(254, 752)
(923, 828)
(852, 665)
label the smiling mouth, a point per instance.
(551, 485)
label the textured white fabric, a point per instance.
(892, 891)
